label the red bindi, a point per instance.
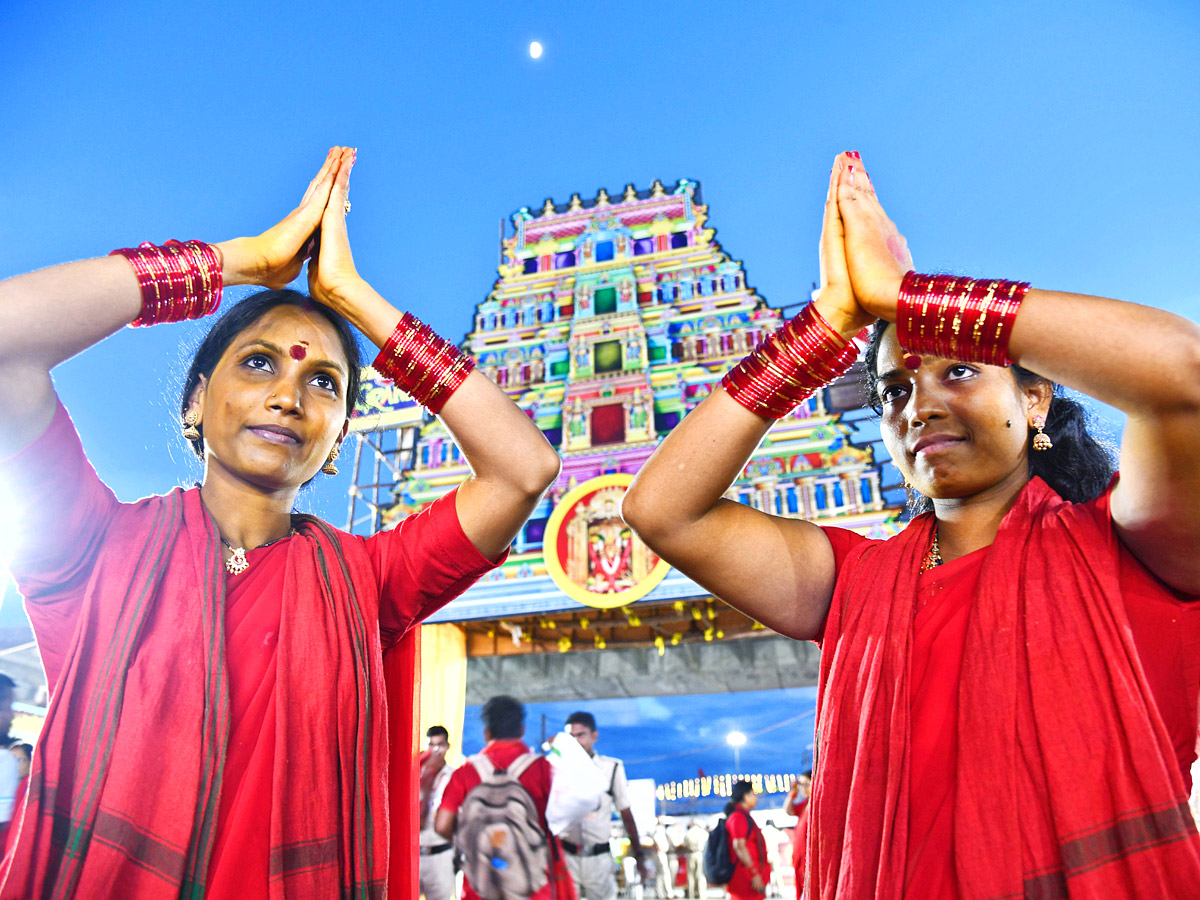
(298, 351)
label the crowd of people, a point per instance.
(588, 857)
(1008, 690)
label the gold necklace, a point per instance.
(237, 563)
(933, 558)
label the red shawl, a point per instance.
(143, 683)
(1067, 783)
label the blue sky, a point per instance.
(1043, 141)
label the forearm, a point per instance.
(635, 842)
(743, 855)
(367, 310)
(443, 823)
(1141, 360)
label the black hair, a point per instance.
(1078, 467)
(438, 731)
(808, 774)
(503, 717)
(738, 794)
(6, 683)
(244, 314)
(582, 718)
(25, 748)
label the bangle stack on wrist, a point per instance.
(801, 357)
(178, 281)
(423, 365)
(958, 318)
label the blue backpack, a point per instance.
(718, 861)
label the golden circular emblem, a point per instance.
(592, 554)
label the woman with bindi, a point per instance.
(230, 680)
(1007, 701)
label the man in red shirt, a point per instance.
(747, 849)
(503, 729)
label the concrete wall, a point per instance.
(746, 664)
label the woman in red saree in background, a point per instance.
(1008, 693)
(219, 717)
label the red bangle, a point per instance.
(785, 368)
(958, 318)
(178, 281)
(423, 365)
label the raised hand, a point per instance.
(275, 257)
(836, 299)
(332, 276)
(877, 254)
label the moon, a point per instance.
(535, 49)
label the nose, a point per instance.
(926, 403)
(285, 395)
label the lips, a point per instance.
(275, 434)
(931, 443)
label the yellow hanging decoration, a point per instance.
(564, 644)
(583, 623)
(678, 605)
(600, 642)
(697, 615)
(676, 638)
(661, 645)
(708, 633)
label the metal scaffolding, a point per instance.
(380, 459)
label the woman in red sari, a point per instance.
(1008, 693)
(221, 702)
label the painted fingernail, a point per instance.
(853, 154)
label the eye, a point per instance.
(958, 371)
(258, 361)
(325, 383)
(892, 392)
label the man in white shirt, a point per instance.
(437, 854)
(588, 856)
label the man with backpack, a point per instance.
(494, 809)
(736, 853)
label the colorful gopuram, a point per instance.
(610, 320)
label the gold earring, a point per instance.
(329, 468)
(190, 431)
(1041, 440)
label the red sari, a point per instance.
(1017, 723)
(165, 759)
